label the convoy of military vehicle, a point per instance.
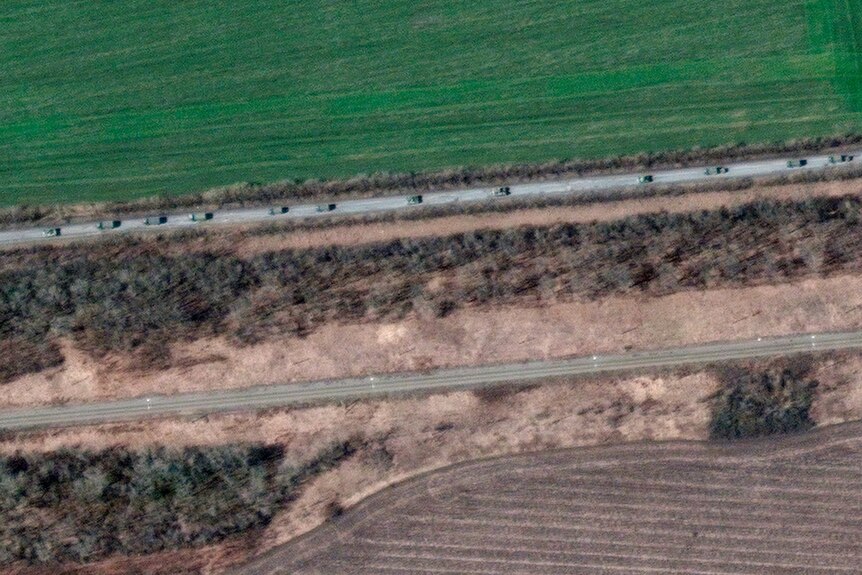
(502, 191)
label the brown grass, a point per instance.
(839, 395)
(182, 562)
(787, 505)
(354, 234)
(466, 337)
(402, 437)
(250, 239)
(289, 358)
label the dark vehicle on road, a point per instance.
(412, 200)
(711, 171)
(646, 179)
(51, 233)
(501, 192)
(156, 220)
(840, 159)
(108, 225)
(325, 207)
(276, 211)
(797, 163)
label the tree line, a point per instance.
(141, 300)
(81, 506)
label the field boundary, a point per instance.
(425, 483)
(247, 194)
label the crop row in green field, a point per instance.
(117, 100)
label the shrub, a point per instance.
(82, 506)
(762, 402)
(139, 300)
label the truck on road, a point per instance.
(109, 225)
(797, 163)
(645, 179)
(715, 170)
(325, 207)
(201, 217)
(502, 192)
(155, 220)
(51, 233)
(276, 211)
(413, 200)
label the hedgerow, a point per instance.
(140, 300)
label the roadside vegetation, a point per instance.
(351, 449)
(767, 401)
(382, 184)
(139, 301)
(131, 100)
(595, 511)
(82, 506)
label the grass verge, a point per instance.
(382, 184)
(139, 301)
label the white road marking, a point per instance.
(464, 378)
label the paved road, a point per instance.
(335, 390)
(363, 206)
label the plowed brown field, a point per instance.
(775, 506)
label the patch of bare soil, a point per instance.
(466, 337)
(839, 395)
(402, 437)
(788, 505)
(182, 562)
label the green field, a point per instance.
(120, 99)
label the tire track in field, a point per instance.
(681, 507)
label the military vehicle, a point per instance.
(325, 207)
(201, 217)
(276, 211)
(711, 171)
(500, 192)
(840, 159)
(797, 163)
(108, 225)
(645, 179)
(51, 233)
(414, 200)
(155, 220)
